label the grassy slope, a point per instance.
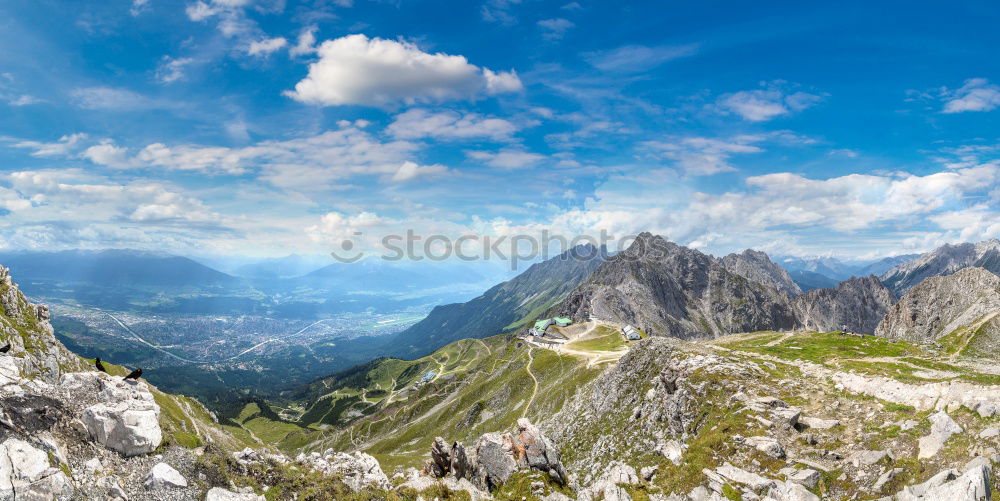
(479, 386)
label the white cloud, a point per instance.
(765, 104)
(107, 154)
(138, 6)
(703, 156)
(420, 123)
(555, 28)
(266, 46)
(637, 58)
(507, 158)
(977, 94)
(172, 69)
(306, 43)
(375, 72)
(410, 171)
(502, 82)
(199, 11)
(64, 146)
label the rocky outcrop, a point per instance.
(495, 457)
(358, 470)
(944, 260)
(939, 306)
(856, 305)
(220, 494)
(756, 266)
(942, 428)
(31, 474)
(673, 291)
(126, 416)
(34, 348)
(953, 485)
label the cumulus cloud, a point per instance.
(419, 123)
(977, 94)
(507, 158)
(765, 104)
(266, 46)
(376, 72)
(554, 29)
(704, 156)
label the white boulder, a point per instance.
(164, 476)
(942, 428)
(220, 494)
(25, 472)
(125, 419)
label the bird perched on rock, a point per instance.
(99, 365)
(5, 349)
(134, 374)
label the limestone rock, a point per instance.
(126, 419)
(440, 458)
(790, 491)
(806, 477)
(220, 494)
(973, 485)
(942, 428)
(357, 470)
(164, 476)
(767, 445)
(25, 472)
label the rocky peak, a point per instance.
(857, 305)
(757, 266)
(942, 305)
(944, 260)
(669, 290)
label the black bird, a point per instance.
(5, 349)
(99, 365)
(134, 374)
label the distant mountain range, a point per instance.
(944, 260)
(825, 272)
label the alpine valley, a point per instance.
(655, 373)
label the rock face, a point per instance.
(939, 306)
(944, 260)
(126, 419)
(497, 456)
(669, 290)
(37, 354)
(756, 266)
(858, 305)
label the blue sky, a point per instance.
(265, 127)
